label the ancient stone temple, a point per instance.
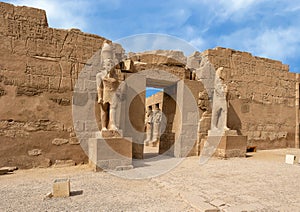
(46, 74)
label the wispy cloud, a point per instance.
(61, 14)
(154, 41)
(265, 28)
(277, 43)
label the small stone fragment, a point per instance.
(59, 141)
(34, 152)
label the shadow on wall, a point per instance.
(233, 120)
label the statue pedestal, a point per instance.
(109, 134)
(110, 153)
(229, 145)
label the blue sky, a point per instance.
(267, 28)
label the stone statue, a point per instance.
(157, 117)
(107, 86)
(220, 107)
(149, 124)
(203, 101)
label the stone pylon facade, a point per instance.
(40, 65)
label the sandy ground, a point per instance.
(262, 182)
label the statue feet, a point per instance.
(113, 127)
(104, 129)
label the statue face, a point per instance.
(107, 55)
(108, 64)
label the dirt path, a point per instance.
(259, 183)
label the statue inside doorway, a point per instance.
(157, 117)
(149, 124)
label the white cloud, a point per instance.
(277, 43)
(154, 41)
(61, 14)
(222, 10)
(232, 6)
(198, 43)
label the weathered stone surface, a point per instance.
(2, 91)
(255, 86)
(74, 141)
(44, 163)
(111, 153)
(61, 188)
(111, 134)
(64, 163)
(59, 141)
(39, 67)
(35, 152)
(10, 169)
(3, 171)
(228, 145)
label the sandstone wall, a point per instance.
(261, 97)
(154, 99)
(39, 66)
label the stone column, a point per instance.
(187, 135)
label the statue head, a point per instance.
(107, 64)
(106, 51)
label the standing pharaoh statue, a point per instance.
(149, 124)
(220, 105)
(157, 117)
(107, 85)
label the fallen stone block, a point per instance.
(48, 195)
(64, 163)
(59, 141)
(44, 163)
(289, 159)
(34, 152)
(61, 188)
(3, 171)
(10, 169)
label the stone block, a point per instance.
(61, 188)
(110, 153)
(59, 141)
(290, 159)
(34, 152)
(228, 146)
(3, 171)
(111, 134)
(64, 163)
(44, 163)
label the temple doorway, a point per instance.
(160, 118)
